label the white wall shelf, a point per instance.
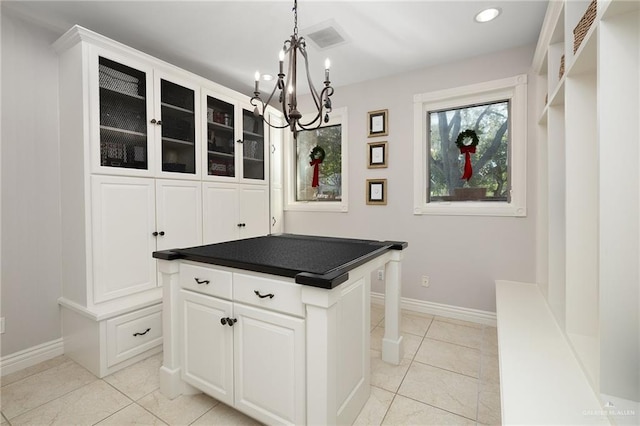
(591, 193)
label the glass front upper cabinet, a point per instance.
(177, 105)
(221, 144)
(123, 116)
(253, 148)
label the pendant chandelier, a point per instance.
(286, 86)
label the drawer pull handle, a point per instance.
(202, 281)
(228, 321)
(262, 296)
(142, 334)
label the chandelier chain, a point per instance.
(295, 18)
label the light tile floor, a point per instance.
(449, 376)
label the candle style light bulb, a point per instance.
(257, 76)
(327, 65)
(281, 59)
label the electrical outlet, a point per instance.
(425, 281)
(2, 325)
(380, 275)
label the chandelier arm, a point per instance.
(312, 89)
(328, 91)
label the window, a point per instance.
(470, 150)
(319, 185)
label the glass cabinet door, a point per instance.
(123, 116)
(220, 138)
(252, 146)
(178, 128)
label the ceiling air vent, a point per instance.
(325, 35)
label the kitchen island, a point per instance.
(278, 326)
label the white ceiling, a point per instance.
(227, 41)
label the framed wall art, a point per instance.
(378, 123)
(377, 155)
(377, 192)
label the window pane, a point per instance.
(329, 171)
(489, 163)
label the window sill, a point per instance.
(317, 206)
(470, 208)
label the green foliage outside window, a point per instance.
(330, 170)
(490, 162)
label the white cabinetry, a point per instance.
(131, 150)
(249, 357)
(588, 107)
(234, 211)
(123, 218)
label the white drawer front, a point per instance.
(268, 293)
(131, 334)
(206, 280)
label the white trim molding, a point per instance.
(513, 89)
(338, 116)
(31, 356)
(448, 311)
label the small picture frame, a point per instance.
(377, 192)
(378, 123)
(377, 155)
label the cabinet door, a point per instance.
(207, 346)
(178, 115)
(254, 147)
(123, 222)
(277, 211)
(254, 211)
(178, 214)
(122, 127)
(220, 213)
(269, 365)
(220, 136)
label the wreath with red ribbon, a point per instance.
(467, 142)
(317, 157)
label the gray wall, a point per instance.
(462, 255)
(30, 186)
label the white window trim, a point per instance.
(513, 89)
(337, 116)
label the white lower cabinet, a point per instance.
(250, 358)
(132, 334)
(232, 211)
(123, 216)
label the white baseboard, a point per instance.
(30, 356)
(442, 310)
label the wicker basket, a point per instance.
(584, 24)
(561, 71)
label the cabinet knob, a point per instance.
(153, 121)
(161, 233)
(228, 321)
(241, 225)
(159, 123)
(240, 141)
(155, 234)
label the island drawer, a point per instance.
(133, 333)
(214, 282)
(268, 293)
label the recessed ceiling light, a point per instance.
(488, 15)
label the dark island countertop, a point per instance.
(316, 261)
